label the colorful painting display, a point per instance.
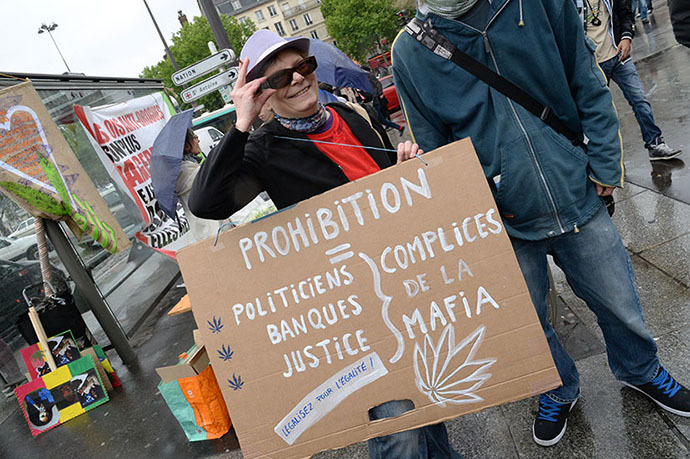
(61, 395)
(63, 347)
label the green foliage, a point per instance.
(357, 25)
(190, 45)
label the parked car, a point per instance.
(15, 277)
(117, 207)
(209, 137)
(12, 248)
(390, 93)
(25, 228)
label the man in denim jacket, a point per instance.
(547, 190)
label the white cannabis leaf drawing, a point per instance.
(455, 376)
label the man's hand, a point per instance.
(624, 49)
(408, 150)
(247, 103)
(604, 190)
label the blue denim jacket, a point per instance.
(543, 185)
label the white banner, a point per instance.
(123, 135)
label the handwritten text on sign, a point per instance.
(412, 265)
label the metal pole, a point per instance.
(58, 50)
(86, 285)
(165, 44)
(209, 11)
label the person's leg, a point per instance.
(422, 443)
(626, 77)
(643, 11)
(598, 269)
(391, 124)
(551, 421)
(531, 256)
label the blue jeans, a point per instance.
(626, 77)
(642, 7)
(430, 442)
(598, 269)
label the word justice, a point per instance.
(330, 350)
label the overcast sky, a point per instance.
(96, 37)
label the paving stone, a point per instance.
(673, 258)
(651, 219)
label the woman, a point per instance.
(191, 158)
(285, 158)
(290, 170)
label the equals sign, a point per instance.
(339, 253)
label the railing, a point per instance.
(295, 10)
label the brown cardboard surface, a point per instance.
(197, 337)
(184, 305)
(40, 172)
(197, 360)
(402, 285)
(173, 372)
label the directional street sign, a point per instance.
(210, 84)
(203, 67)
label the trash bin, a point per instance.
(57, 314)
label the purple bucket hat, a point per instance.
(263, 44)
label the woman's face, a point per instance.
(193, 146)
(300, 98)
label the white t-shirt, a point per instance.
(600, 34)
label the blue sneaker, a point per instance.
(666, 392)
(551, 421)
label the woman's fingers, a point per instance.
(242, 73)
(407, 150)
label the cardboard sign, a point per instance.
(123, 135)
(399, 286)
(61, 395)
(39, 171)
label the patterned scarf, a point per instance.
(307, 124)
(449, 9)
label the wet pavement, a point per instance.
(609, 421)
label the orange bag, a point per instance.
(198, 405)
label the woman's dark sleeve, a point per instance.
(227, 180)
(376, 124)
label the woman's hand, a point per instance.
(247, 102)
(408, 150)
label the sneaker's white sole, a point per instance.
(558, 437)
(684, 414)
(665, 157)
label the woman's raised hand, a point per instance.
(407, 150)
(247, 102)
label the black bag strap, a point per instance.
(425, 33)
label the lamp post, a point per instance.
(50, 28)
(160, 34)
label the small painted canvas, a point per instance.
(63, 347)
(61, 395)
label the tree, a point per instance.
(190, 45)
(358, 25)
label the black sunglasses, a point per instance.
(282, 78)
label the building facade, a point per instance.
(287, 18)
